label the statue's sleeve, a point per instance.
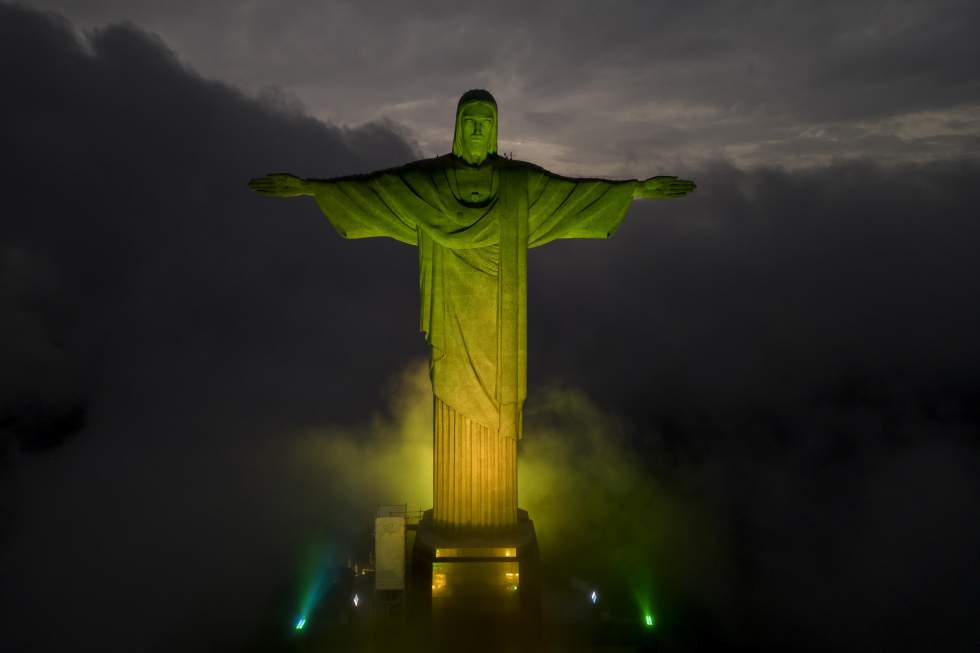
(366, 206)
(566, 207)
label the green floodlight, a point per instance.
(648, 620)
(301, 623)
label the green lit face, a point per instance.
(477, 129)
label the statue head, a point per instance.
(476, 127)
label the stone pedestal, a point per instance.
(476, 578)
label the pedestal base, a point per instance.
(485, 577)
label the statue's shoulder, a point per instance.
(412, 167)
(516, 166)
(503, 162)
(434, 164)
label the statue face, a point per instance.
(477, 129)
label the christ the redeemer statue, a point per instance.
(473, 215)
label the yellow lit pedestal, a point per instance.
(488, 586)
(477, 576)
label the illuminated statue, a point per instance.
(473, 215)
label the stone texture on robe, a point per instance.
(473, 263)
(474, 472)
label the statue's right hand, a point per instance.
(280, 184)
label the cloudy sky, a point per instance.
(623, 88)
(201, 389)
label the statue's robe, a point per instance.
(473, 275)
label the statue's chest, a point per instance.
(475, 186)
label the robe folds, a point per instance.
(473, 263)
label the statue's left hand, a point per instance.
(280, 184)
(663, 187)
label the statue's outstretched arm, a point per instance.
(663, 187)
(281, 184)
(284, 184)
(354, 205)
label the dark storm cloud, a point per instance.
(792, 354)
(751, 82)
(799, 353)
(147, 297)
(41, 398)
(129, 173)
(784, 280)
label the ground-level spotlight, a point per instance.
(300, 623)
(648, 620)
(356, 600)
(594, 596)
